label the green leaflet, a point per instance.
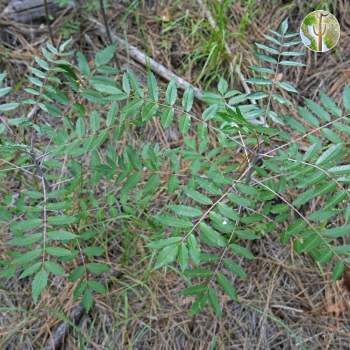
(199, 304)
(97, 287)
(26, 225)
(284, 27)
(266, 58)
(82, 63)
(210, 236)
(210, 112)
(227, 286)
(172, 221)
(310, 241)
(235, 268)
(38, 285)
(222, 86)
(292, 43)
(306, 196)
(167, 117)
(61, 235)
(108, 89)
(97, 268)
(152, 87)
(184, 210)
(62, 220)
(262, 70)
(340, 170)
(27, 257)
(58, 251)
(149, 111)
(241, 251)
(193, 249)
(286, 86)
(331, 136)
(338, 270)
(292, 53)
(41, 63)
(292, 230)
(198, 197)
(166, 256)
(330, 105)
(331, 153)
(268, 48)
(240, 200)
(93, 251)
(214, 301)
(4, 91)
(317, 110)
(228, 212)
(346, 97)
(30, 270)
(341, 231)
(171, 93)
(184, 124)
(257, 95)
(54, 268)
(105, 55)
(87, 300)
(259, 81)
(26, 240)
(308, 116)
(131, 182)
(291, 63)
(126, 84)
(198, 273)
(164, 242)
(80, 127)
(183, 257)
(6, 107)
(77, 273)
(272, 39)
(194, 290)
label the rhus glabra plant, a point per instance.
(83, 171)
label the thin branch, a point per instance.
(103, 11)
(47, 16)
(43, 185)
(298, 212)
(107, 30)
(305, 135)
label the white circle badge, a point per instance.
(320, 31)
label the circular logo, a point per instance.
(320, 31)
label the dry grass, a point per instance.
(286, 303)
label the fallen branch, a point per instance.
(145, 60)
(156, 67)
(29, 11)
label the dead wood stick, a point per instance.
(145, 60)
(156, 67)
(62, 329)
